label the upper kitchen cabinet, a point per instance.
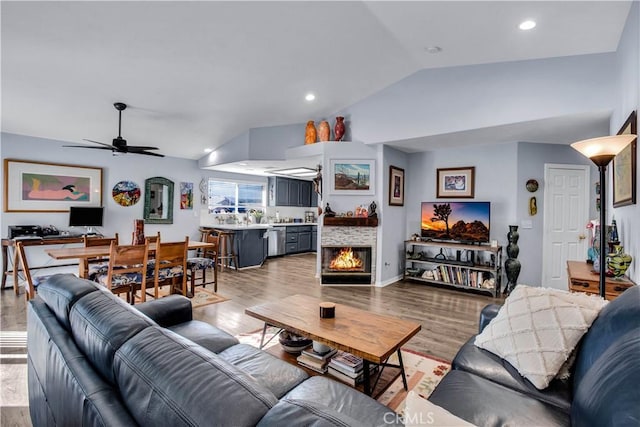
(290, 192)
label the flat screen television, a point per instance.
(86, 216)
(466, 222)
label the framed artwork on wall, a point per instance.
(458, 183)
(186, 195)
(352, 177)
(396, 186)
(624, 167)
(49, 187)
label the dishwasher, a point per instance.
(277, 241)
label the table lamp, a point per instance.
(601, 151)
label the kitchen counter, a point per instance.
(236, 227)
(289, 224)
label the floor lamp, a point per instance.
(601, 151)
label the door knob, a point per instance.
(581, 237)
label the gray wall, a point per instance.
(627, 67)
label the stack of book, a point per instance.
(318, 362)
(347, 368)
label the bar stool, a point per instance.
(227, 249)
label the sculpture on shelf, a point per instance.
(338, 131)
(324, 131)
(512, 265)
(310, 134)
(372, 210)
(328, 212)
(317, 181)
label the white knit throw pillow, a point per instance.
(537, 329)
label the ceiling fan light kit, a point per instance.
(119, 144)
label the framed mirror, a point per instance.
(158, 201)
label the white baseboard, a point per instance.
(389, 281)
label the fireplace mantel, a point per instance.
(350, 221)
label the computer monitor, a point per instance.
(86, 216)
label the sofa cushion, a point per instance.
(420, 412)
(208, 336)
(64, 389)
(537, 329)
(61, 291)
(100, 324)
(345, 400)
(483, 363)
(165, 378)
(609, 392)
(275, 374)
(306, 413)
(485, 403)
(616, 319)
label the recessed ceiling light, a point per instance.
(527, 25)
(309, 97)
(433, 49)
(208, 150)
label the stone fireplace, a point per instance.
(351, 244)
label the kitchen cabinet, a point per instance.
(290, 192)
(298, 238)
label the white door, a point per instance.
(566, 212)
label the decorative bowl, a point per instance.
(292, 343)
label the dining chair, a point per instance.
(150, 239)
(170, 266)
(209, 259)
(31, 283)
(127, 270)
(99, 265)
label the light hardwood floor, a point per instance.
(448, 317)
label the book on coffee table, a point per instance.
(313, 363)
(347, 361)
(347, 379)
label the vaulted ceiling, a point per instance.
(196, 74)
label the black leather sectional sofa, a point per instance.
(93, 360)
(603, 390)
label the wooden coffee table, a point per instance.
(372, 337)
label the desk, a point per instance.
(583, 279)
(7, 243)
(103, 251)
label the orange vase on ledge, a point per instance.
(310, 134)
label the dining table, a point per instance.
(83, 253)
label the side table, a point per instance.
(583, 279)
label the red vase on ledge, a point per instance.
(339, 128)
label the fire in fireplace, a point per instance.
(347, 265)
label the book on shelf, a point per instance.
(341, 376)
(319, 356)
(313, 363)
(347, 361)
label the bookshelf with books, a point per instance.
(459, 265)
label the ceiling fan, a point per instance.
(119, 144)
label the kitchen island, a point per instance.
(250, 242)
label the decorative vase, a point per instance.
(138, 232)
(512, 266)
(310, 134)
(338, 131)
(618, 262)
(324, 131)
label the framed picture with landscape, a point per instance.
(352, 177)
(49, 187)
(456, 183)
(624, 167)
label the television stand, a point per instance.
(470, 266)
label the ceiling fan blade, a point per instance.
(96, 142)
(137, 148)
(107, 147)
(148, 153)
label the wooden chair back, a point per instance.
(150, 239)
(171, 264)
(128, 269)
(96, 241)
